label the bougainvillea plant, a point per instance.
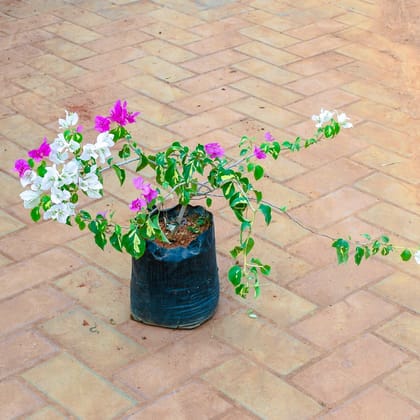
(56, 173)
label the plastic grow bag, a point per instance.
(176, 287)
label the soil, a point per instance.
(183, 234)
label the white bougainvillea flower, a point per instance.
(417, 256)
(70, 121)
(344, 120)
(30, 198)
(324, 117)
(103, 142)
(91, 185)
(58, 195)
(37, 183)
(60, 212)
(73, 146)
(59, 144)
(50, 178)
(58, 157)
(89, 151)
(69, 173)
(27, 178)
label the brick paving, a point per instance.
(328, 342)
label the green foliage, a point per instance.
(35, 214)
(266, 211)
(120, 173)
(235, 275)
(187, 174)
(342, 248)
(133, 243)
(406, 255)
(116, 238)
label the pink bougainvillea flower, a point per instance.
(102, 213)
(119, 114)
(79, 128)
(137, 204)
(21, 166)
(102, 124)
(43, 150)
(131, 117)
(268, 136)
(214, 150)
(148, 192)
(150, 195)
(139, 182)
(259, 153)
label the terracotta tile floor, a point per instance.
(328, 342)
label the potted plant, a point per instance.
(174, 272)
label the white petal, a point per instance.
(30, 198)
(89, 151)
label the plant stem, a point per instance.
(124, 162)
(181, 215)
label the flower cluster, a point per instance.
(118, 114)
(74, 167)
(148, 194)
(54, 174)
(326, 116)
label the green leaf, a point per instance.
(266, 211)
(386, 250)
(342, 248)
(134, 243)
(46, 202)
(367, 236)
(384, 239)
(235, 275)
(41, 171)
(258, 172)
(115, 239)
(35, 214)
(258, 196)
(74, 198)
(209, 201)
(360, 252)
(93, 227)
(238, 202)
(265, 269)
(249, 245)
(228, 189)
(119, 132)
(125, 152)
(245, 225)
(234, 252)
(242, 290)
(80, 222)
(240, 215)
(100, 240)
(328, 131)
(143, 161)
(85, 215)
(375, 247)
(406, 255)
(120, 173)
(77, 137)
